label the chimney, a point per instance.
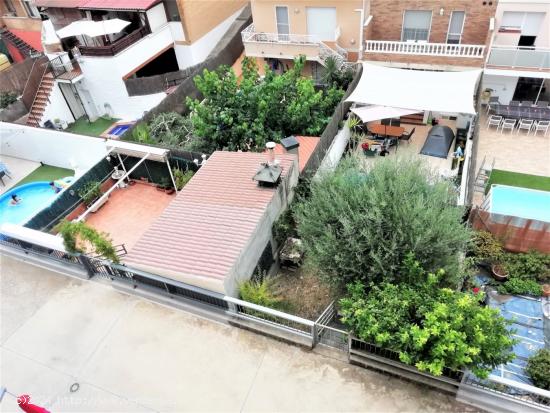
(291, 145)
(270, 148)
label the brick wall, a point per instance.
(424, 60)
(388, 19)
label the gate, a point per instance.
(327, 331)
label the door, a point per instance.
(283, 24)
(321, 23)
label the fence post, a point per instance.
(314, 335)
(86, 263)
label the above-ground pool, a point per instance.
(34, 197)
(520, 202)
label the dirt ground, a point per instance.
(303, 293)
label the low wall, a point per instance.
(14, 78)
(156, 84)
(13, 112)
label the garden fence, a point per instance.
(490, 393)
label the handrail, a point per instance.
(519, 56)
(116, 47)
(426, 49)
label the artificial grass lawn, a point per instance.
(45, 173)
(96, 128)
(541, 183)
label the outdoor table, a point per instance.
(386, 130)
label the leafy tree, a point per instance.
(245, 113)
(336, 74)
(429, 327)
(170, 129)
(7, 98)
(360, 222)
(538, 368)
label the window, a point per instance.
(528, 23)
(281, 14)
(456, 24)
(416, 25)
(9, 6)
(32, 11)
(321, 23)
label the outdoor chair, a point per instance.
(508, 124)
(541, 126)
(525, 124)
(542, 104)
(407, 136)
(494, 120)
(527, 103)
(493, 101)
(514, 103)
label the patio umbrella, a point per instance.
(24, 402)
(92, 28)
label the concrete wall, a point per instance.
(505, 39)
(13, 112)
(14, 78)
(156, 16)
(245, 266)
(199, 17)
(263, 15)
(57, 108)
(387, 19)
(22, 23)
(65, 150)
(503, 86)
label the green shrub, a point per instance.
(181, 178)
(259, 292)
(532, 265)
(520, 286)
(171, 129)
(538, 368)
(486, 247)
(141, 133)
(90, 192)
(429, 327)
(7, 98)
(360, 223)
(91, 241)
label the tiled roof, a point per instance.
(33, 39)
(99, 4)
(305, 150)
(204, 230)
(67, 4)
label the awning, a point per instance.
(136, 150)
(374, 112)
(92, 28)
(136, 5)
(447, 92)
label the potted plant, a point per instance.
(165, 186)
(486, 95)
(90, 192)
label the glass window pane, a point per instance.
(512, 19)
(282, 20)
(457, 20)
(416, 25)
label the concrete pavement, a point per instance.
(130, 355)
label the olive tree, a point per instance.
(361, 222)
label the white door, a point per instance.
(321, 22)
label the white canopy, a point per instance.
(374, 112)
(448, 92)
(92, 28)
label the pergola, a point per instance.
(118, 148)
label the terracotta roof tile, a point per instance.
(206, 227)
(30, 37)
(305, 150)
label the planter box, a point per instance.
(371, 356)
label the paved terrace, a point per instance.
(130, 355)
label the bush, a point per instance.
(259, 292)
(532, 265)
(486, 247)
(79, 237)
(7, 98)
(90, 192)
(171, 129)
(520, 286)
(431, 328)
(538, 368)
(181, 178)
(360, 223)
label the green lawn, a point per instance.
(521, 180)
(96, 128)
(45, 173)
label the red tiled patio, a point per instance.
(129, 212)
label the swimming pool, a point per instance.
(119, 130)
(116, 130)
(520, 202)
(34, 197)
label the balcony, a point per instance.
(288, 46)
(65, 69)
(522, 58)
(425, 49)
(114, 48)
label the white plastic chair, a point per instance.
(494, 120)
(525, 124)
(509, 124)
(541, 126)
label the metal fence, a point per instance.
(326, 331)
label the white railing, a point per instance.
(425, 49)
(519, 57)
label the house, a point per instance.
(88, 75)
(218, 228)
(282, 30)
(20, 27)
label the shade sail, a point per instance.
(448, 92)
(92, 28)
(374, 112)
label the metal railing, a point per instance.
(61, 67)
(48, 253)
(116, 47)
(327, 334)
(519, 57)
(425, 49)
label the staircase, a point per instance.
(41, 100)
(414, 119)
(25, 48)
(482, 177)
(325, 52)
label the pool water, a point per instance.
(34, 197)
(520, 202)
(119, 130)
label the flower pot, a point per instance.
(169, 191)
(499, 273)
(546, 290)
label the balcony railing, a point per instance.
(65, 69)
(425, 49)
(116, 47)
(519, 57)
